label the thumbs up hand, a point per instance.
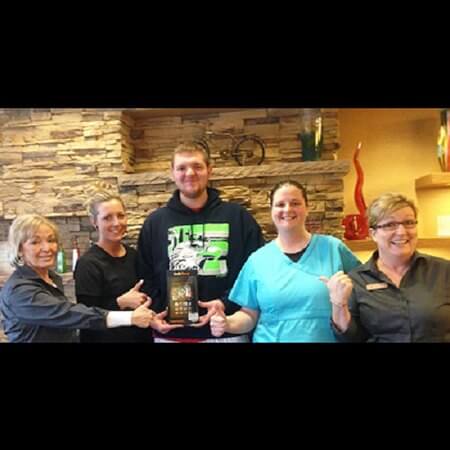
(218, 323)
(340, 287)
(133, 298)
(143, 317)
(137, 286)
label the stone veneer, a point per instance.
(150, 140)
(249, 186)
(48, 158)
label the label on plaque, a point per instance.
(182, 296)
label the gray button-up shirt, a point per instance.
(34, 311)
(417, 311)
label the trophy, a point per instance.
(182, 296)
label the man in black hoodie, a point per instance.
(195, 230)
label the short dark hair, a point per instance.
(281, 184)
(192, 147)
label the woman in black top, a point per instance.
(105, 275)
(400, 294)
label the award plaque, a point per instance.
(182, 296)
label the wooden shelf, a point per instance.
(438, 242)
(369, 245)
(434, 181)
(360, 246)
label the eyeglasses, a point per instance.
(392, 226)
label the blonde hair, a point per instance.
(97, 197)
(386, 204)
(23, 228)
(192, 147)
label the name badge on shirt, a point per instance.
(375, 286)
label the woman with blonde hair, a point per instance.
(105, 276)
(32, 300)
(400, 294)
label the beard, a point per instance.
(193, 193)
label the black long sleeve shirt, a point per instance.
(99, 279)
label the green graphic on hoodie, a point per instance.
(199, 246)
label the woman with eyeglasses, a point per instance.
(399, 295)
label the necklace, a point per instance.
(49, 281)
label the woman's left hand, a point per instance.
(340, 287)
(133, 298)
